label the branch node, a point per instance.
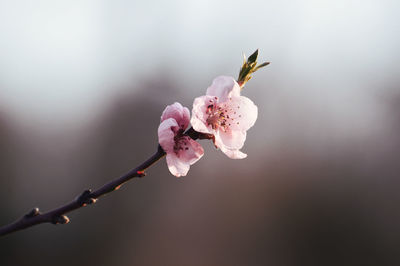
(140, 173)
(85, 198)
(34, 212)
(206, 136)
(91, 200)
(61, 219)
(160, 149)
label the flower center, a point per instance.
(221, 116)
(181, 142)
(217, 116)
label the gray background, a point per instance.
(82, 87)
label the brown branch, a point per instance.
(57, 216)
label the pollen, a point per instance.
(218, 116)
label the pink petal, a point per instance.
(199, 116)
(166, 134)
(242, 113)
(179, 113)
(233, 154)
(232, 139)
(192, 152)
(176, 166)
(185, 117)
(224, 87)
(172, 111)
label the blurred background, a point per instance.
(82, 88)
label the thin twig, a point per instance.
(57, 216)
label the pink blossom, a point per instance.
(225, 114)
(182, 151)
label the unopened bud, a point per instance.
(141, 173)
(34, 212)
(62, 219)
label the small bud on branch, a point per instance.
(249, 67)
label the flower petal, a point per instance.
(249, 111)
(192, 152)
(230, 143)
(224, 87)
(242, 113)
(166, 134)
(232, 139)
(176, 166)
(233, 154)
(199, 116)
(185, 118)
(179, 113)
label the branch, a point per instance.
(57, 216)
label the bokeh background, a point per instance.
(82, 87)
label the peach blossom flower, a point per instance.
(182, 151)
(224, 113)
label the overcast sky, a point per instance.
(65, 57)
